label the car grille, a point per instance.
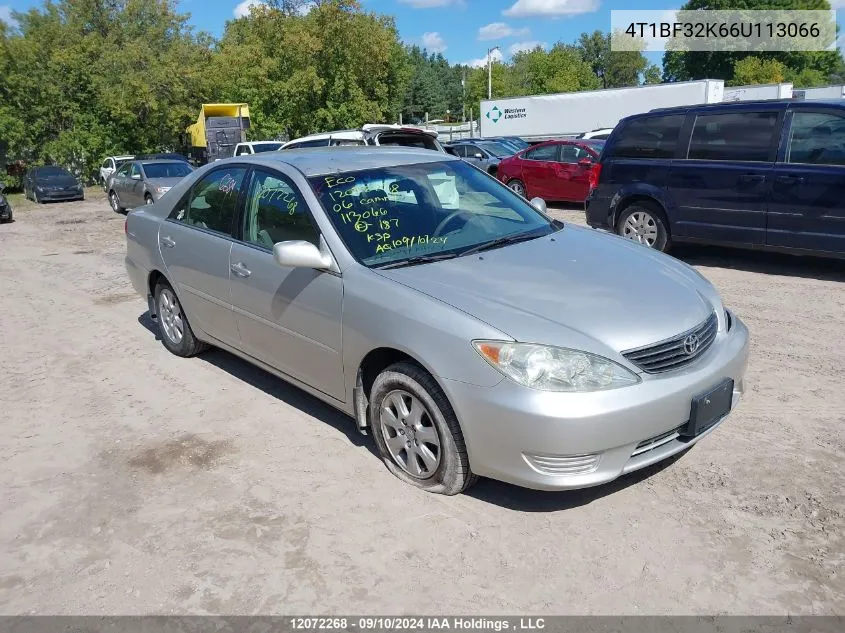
(676, 352)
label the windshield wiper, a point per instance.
(502, 241)
(419, 259)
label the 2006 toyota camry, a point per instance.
(465, 330)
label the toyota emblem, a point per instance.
(691, 344)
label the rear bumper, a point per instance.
(5, 212)
(597, 211)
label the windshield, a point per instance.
(49, 172)
(166, 170)
(266, 147)
(499, 150)
(395, 213)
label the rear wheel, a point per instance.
(518, 187)
(114, 201)
(643, 222)
(148, 199)
(176, 333)
(416, 431)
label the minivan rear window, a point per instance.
(649, 137)
(734, 136)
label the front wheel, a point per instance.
(518, 188)
(416, 431)
(644, 224)
(148, 199)
(114, 201)
(176, 333)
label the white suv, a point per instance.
(109, 166)
(372, 134)
(602, 134)
(256, 147)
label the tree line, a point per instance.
(84, 79)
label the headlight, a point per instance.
(549, 368)
(39, 188)
(162, 190)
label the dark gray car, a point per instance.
(144, 182)
(485, 155)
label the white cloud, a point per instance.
(433, 42)
(430, 4)
(6, 15)
(242, 9)
(551, 8)
(481, 62)
(530, 45)
(499, 30)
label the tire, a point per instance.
(437, 433)
(103, 183)
(644, 222)
(114, 201)
(518, 187)
(35, 197)
(148, 199)
(169, 309)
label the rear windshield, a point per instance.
(52, 171)
(498, 150)
(166, 170)
(405, 139)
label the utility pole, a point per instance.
(464, 98)
(490, 71)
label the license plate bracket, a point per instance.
(708, 408)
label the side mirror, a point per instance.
(136, 176)
(539, 204)
(585, 162)
(301, 254)
(479, 156)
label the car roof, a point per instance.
(317, 161)
(774, 104)
(158, 161)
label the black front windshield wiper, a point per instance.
(502, 241)
(419, 259)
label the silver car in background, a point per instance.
(141, 182)
(485, 155)
(459, 325)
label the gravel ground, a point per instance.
(135, 482)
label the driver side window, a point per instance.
(124, 169)
(276, 212)
(212, 201)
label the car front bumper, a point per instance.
(5, 212)
(560, 441)
(61, 195)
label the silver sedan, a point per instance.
(143, 182)
(465, 330)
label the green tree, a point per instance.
(684, 66)
(615, 69)
(757, 70)
(337, 66)
(81, 80)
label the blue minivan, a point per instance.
(765, 174)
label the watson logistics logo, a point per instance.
(494, 114)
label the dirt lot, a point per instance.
(132, 481)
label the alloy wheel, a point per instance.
(517, 188)
(410, 434)
(170, 314)
(115, 203)
(640, 227)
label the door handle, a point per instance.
(752, 178)
(166, 242)
(791, 180)
(240, 270)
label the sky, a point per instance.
(463, 30)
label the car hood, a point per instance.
(57, 181)
(574, 285)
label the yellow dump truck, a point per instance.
(218, 129)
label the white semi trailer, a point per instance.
(824, 92)
(761, 91)
(571, 113)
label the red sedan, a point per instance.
(554, 170)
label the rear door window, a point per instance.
(816, 138)
(733, 136)
(649, 137)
